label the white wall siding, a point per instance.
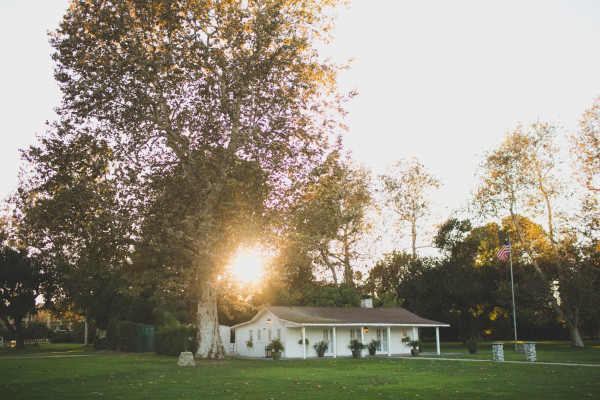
(258, 349)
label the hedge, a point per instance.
(174, 338)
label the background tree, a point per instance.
(406, 189)
(72, 221)
(330, 219)
(586, 147)
(22, 280)
(520, 177)
(189, 90)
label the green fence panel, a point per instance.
(145, 339)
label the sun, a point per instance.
(247, 267)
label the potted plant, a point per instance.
(321, 347)
(471, 345)
(356, 346)
(416, 345)
(249, 344)
(372, 346)
(276, 348)
(306, 342)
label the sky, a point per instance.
(438, 80)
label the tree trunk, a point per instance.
(574, 332)
(209, 339)
(571, 322)
(19, 335)
(86, 333)
(413, 235)
(348, 273)
(329, 265)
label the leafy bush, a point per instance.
(64, 337)
(174, 338)
(121, 335)
(6, 334)
(37, 330)
(100, 343)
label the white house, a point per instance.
(335, 325)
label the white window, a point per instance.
(269, 335)
(279, 334)
(250, 336)
(328, 338)
(258, 332)
(355, 334)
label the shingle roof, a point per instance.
(349, 315)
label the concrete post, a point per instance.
(498, 350)
(530, 353)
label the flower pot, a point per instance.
(276, 355)
(321, 353)
(414, 352)
(356, 354)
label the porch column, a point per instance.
(303, 342)
(334, 340)
(437, 339)
(362, 337)
(389, 343)
(415, 333)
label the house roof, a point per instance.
(347, 316)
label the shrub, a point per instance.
(172, 339)
(121, 335)
(64, 337)
(100, 344)
(37, 330)
(78, 329)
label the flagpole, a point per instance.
(512, 287)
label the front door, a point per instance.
(328, 338)
(382, 336)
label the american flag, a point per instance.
(504, 252)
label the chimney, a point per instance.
(366, 301)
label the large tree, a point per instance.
(518, 179)
(191, 89)
(407, 185)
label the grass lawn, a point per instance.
(42, 373)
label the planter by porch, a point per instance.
(276, 355)
(321, 347)
(414, 352)
(356, 347)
